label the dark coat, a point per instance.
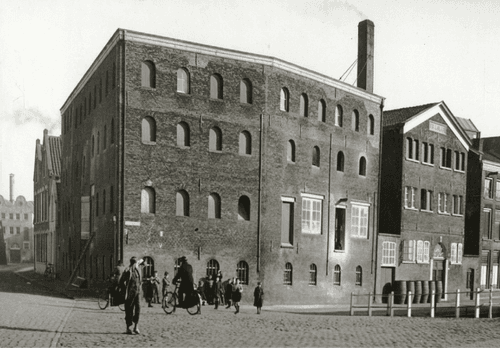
(130, 281)
(185, 275)
(258, 297)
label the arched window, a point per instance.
(182, 203)
(148, 270)
(304, 105)
(362, 166)
(316, 157)
(340, 161)
(183, 83)
(242, 272)
(245, 91)
(148, 200)
(148, 130)
(287, 277)
(371, 125)
(336, 275)
(148, 74)
(290, 151)
(321, 111)
(355, 120)
(183, 138)
(284, 99)
(214, 206)
(112, 132)
(339, 115)
(244, 208)
(359, 276)
(313, 272)
(245, 143)
(216, 86)
(215, 139)
(212, 268)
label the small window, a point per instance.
(242, 272)
(339, 116)
(147, 270)
(284, 99)
(359, 276)
(214, 206)
(183, 137)
(304, 105)
(322, 111)
(410, 194)
(183, 81)
(148, 130)
(216, 86)
(290, 151)
(337, 273)
(458, 205)
(409, 250)
(215, 139)
(244, 208)
(182, 203)
(245, 91)
(362, 166)
(212, 268)
(148, 200)
(425, 200)
(287, 278)
(388, 254)
(316, 157)
(245, 143)
(340, 161)
(313, 274)
(148, 74)
(427, 153)
(371, 125)
(355, 120)
(443, 203)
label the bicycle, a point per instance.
(49, 271)
(192, 303)
(106, 297)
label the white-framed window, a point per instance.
(412, 149)
(443, 203)
(183, 83)
(148, 74)
(339, 115)
(427, 247)
(497, 190)
(427, 153)
(410, 193)
(388, 254)
(304, 105)
(456, 253)
(446, 156)
(423, 251)
(458, 205)
(409, 251)
(148, 204)
(425, 200)
(359, 221)
(216, 86)
(488, 188)
(311, 214)
(284, 99)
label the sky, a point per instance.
(425, 51)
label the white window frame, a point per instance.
(409, 251)
(410, 190)
(359, 222)
(489, 195)
(428, 200)
(427, 247)
(388, 254)
(453, 253)
(312, 215)
(458, 205)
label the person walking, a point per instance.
(165, 282)
(155, 282)
(131, 281)
(185, 275)
(258, 297)
(237, 290)
(228, 292)
(217, 292)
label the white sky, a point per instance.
(425, 51)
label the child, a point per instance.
(258, 295)
(237, 290)
(165, 284)
(155, 282)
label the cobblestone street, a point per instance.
(34, 316)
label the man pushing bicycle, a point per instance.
(185, 275)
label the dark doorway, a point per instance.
(386, 280)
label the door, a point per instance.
(438, 269)
(385, 283)
(15, 255)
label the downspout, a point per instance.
(329, 202)
(259, 219)
(121, 144)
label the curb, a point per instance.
(43, 285)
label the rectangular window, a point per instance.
(427, 245)
(497, 191)
(412, 149)
(425, 200)
(486, 223)
(11, 229)
(427, 153)
(339, 228)
(3, 215)
(311, 215)
(494, 269)
(488, 189)
(388, 254)
(409, 251)
(453, 253)
(18, 216)
(457, 160)
(458, 205)
(420, 251)
(359, 221)
(462, 161)
(26, 245)
(410, 193)
(443, 203)
(460, 252)
(496, 228)
(287, 223)
(485, 255)
(25, 216)
(18, 230)
(446, 158)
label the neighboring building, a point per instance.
(423, 192)
(46, 177)
(482, 225)
(243, 163)
(16, 220)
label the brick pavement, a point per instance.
(36, 319)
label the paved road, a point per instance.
(33, 316)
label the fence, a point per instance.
(483, 299)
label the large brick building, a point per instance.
(244, 163)
(423, 192)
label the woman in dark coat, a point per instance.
(258, 297)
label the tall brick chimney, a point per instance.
(11, 188)
(366, 34)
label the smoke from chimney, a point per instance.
(366, 35)
(11, 188)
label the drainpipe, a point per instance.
(259, 219)
(121, 144)
(329, 199)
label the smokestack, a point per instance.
(11, 188)
(366, 34)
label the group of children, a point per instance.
(213, 292)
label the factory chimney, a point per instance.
(366, 34)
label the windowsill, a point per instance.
(412, 160)
(148, 88)
(290, 162)
(458, 215)
(455, 263)
(284, 110)
(245, 154)
(387, 265)
(315, 167)
(286, 246)
(443, 213)
(149, 142)
(215, 151)
(183, 147)
(428, 164)
(410, 208)
(246, 105)
(410, 262)
(460, 171)
(362, 176)
(423, 262)
(426, 211)
(342, 251)
(182, 94)
(445, 168)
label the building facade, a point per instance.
(423, 192)
(46, 179)
(243, 163)
(17, 227)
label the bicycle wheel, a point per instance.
(103, 299)
(196, 308)
(169, 302)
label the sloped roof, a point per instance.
(491, 149)
(54, 147)
(468, 126)
(398, 116)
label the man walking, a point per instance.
(131, 282)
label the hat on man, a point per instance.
(133, 260)
(183, 259)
